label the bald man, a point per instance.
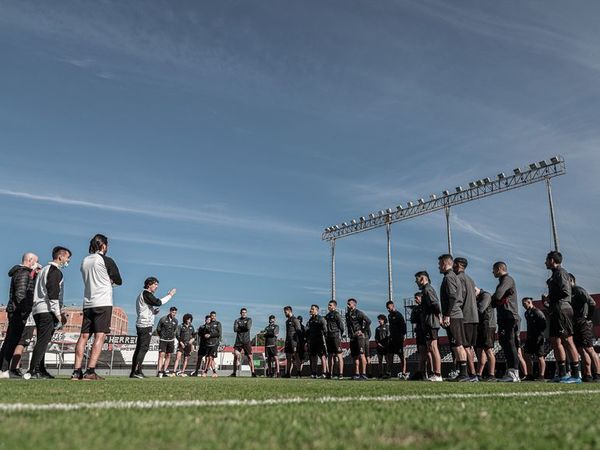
(19, 307)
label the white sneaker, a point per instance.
(4, 374)
(435, 378)
(453, 374)
(512, 376)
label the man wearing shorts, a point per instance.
(100, 274)
(185, 344)
(213, 334)
(561, 319)
(583, 332)
(241, 328)
(271, 333)
(293, 340)
(335, 331)
(359, 330)
(201, 343)
(470, 314)
(316, 329)
(431, 312)
(534, 344)
(486, 335)
(382, 339)
(397, 333)
(166, 330)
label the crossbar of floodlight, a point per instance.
(555, 167)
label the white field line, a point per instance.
(154, 404)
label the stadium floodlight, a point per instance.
(382, 213)
(459, 189)
(517, 171)
(399, 207)
(432, 196)
(362, 218)
(389, 210)
(479, 183)
(501, 176)
(472, 184)
(445, 193)
(371, 216)
(486, 180)
(410, 204)
(353, 221)
(555, 160)
(421, 201)
(533, 166)
(543, 164)
(336, 227)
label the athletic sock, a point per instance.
(462, 368)
(575, 370)
(562, 368)
(91, 370)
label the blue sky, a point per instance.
(213, 141)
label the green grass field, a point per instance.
(422, 416)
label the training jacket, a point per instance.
(357, 321)
(430, 307)
(505, 299)
(487, 313)
(22, 283)
(335, 324)
(48, 292)
(451, 296)
(469, 305)
(99, 274)
(146, 307)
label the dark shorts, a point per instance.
(166, 346)
(334, 345)
(456, 332)
(420, 337)
(561, 322)
(186, 350)
(383, 351)
(212, 350)
(583, 334)
(396, 345)
(290, 347)
(202, 351)
(271, 351)
(27, 336)
(96, 320)
(431, 334)
(245, 347)
(486, 336)
(534, 345)
(357, 346)
(470, 334)
(317, 348)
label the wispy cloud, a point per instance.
(179, 214)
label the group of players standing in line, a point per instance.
(468, 314)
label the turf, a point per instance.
(495, 422)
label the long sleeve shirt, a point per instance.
(451, 296)
(505, 297)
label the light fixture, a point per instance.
(432, 197)
(459, 189)
(501, 176)
(533, 166)
(472, 184)
(362, 218)
(371, 216)
(486, 180)
(555, 160)
(389, 210)
(399, 208)
(446, 193)
(517, 171)
(410, 204)
(353, 222)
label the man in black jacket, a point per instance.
(316, 329)
(470, 314)
(486, 334)
(451, 299)
(335, 331)
(504, 300)
(19, 307)
(166, 329)
(271, 333)
(397, 333)
(431, 311)
(561, 319)
(534, 344)
(293, 341)
(213, 334)
(583, 332)
(359, 330)
(201, 344)
(241, 328)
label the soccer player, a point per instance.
(335, 331)
(583, 333)
(561, 319)
(534, 344)
(201, 343)
(470, 314)
(451, 299)
(241, 328)
(302, 344)
(18, 309)
(397, 333)
(382, 338)
(504, 300)
(359, 330)
(416, 320)
(486, 334)
(271, 333)
(213, 334)
(100, 274)
(293, 340)
(146, 307)
(166, 329)
(431, 312)
(47, 309)
(316, 330)
(185, 340)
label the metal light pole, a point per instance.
(552, 218)
(389, 257)
(448, 230)
(333, 269)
